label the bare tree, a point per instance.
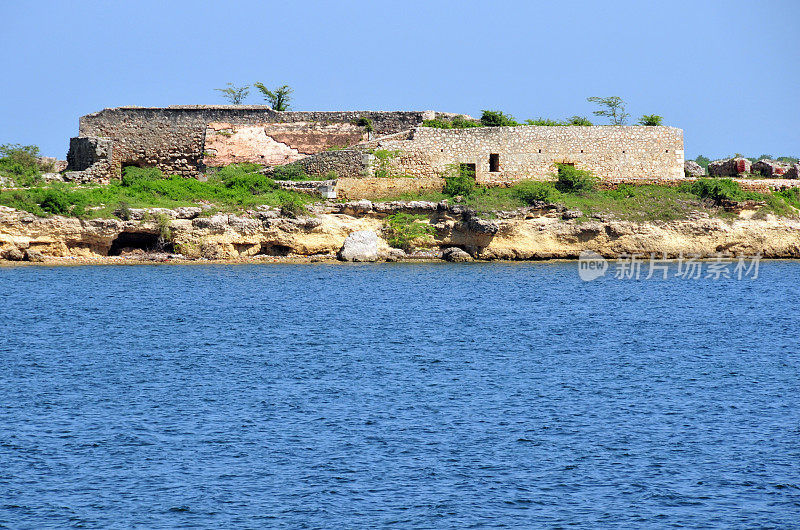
(234, 94)
(613, 108)
(279, 98)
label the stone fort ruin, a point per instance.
(188, 140)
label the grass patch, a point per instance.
(233, 188)
(404, 230)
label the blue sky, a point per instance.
(727, 72)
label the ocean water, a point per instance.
(413, 396)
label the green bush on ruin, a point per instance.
(496, 118)
(572, 180)
(459, 180)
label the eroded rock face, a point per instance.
(360, 246)
(770, 168)
(530, 234)
(456, 255)
(732, 167)
(793, 172)
(693, 169)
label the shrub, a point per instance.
(623, 191)
(717, 190)
(703, 161)
(495, 118)
(458, 180)
(437, 123)
(544, 122)
(132, 175)
(652, 120)
(164, 231)
(383, 159)
(531, 191)
(403, 229)
(124, 211)
(458, 122)
(462, 122)
(791, 196)
(20, 162)
(571, 180)
(245, 177)
(289, 172)
(292, 205)
(366, 123)
(25, 155)
(579, 120)
(56, 202)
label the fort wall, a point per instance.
(502, 155)
(173, 138)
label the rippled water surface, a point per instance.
(411, 395)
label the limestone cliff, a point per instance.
(523, 235)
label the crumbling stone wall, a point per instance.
(173, 138)
(89, 159)
(275, 143)
(531, 152)
(381, 188)
(349, 163)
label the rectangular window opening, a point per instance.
(494, 162)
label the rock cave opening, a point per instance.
(128, 241)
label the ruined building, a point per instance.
(186, 140)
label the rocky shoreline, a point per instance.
(357, 231)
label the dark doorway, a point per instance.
(494, 162)
(127, 241)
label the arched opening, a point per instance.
(130, 241)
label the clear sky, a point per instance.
(727, 72)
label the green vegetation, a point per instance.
(289, 172)
(279, 98)
(383, 158)
(234, 94)
(547, 122)
(459, 180)
(721, 189)
(612, 108)
(403, 230)
(651, 120)
(366, 123)
(495, 118)
(703, 161)
(19, 164)
(233, 188)
(458, 122)
(571, 180)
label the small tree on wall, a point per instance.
(279, 98)
(652, 120)
(612, 107)
(234, 94)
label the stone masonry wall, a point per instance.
(89, 159)
(531, 152)
(348, 163)
(172, 138)
(381, 188)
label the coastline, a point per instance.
(530, 234)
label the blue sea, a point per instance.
(397, 395)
